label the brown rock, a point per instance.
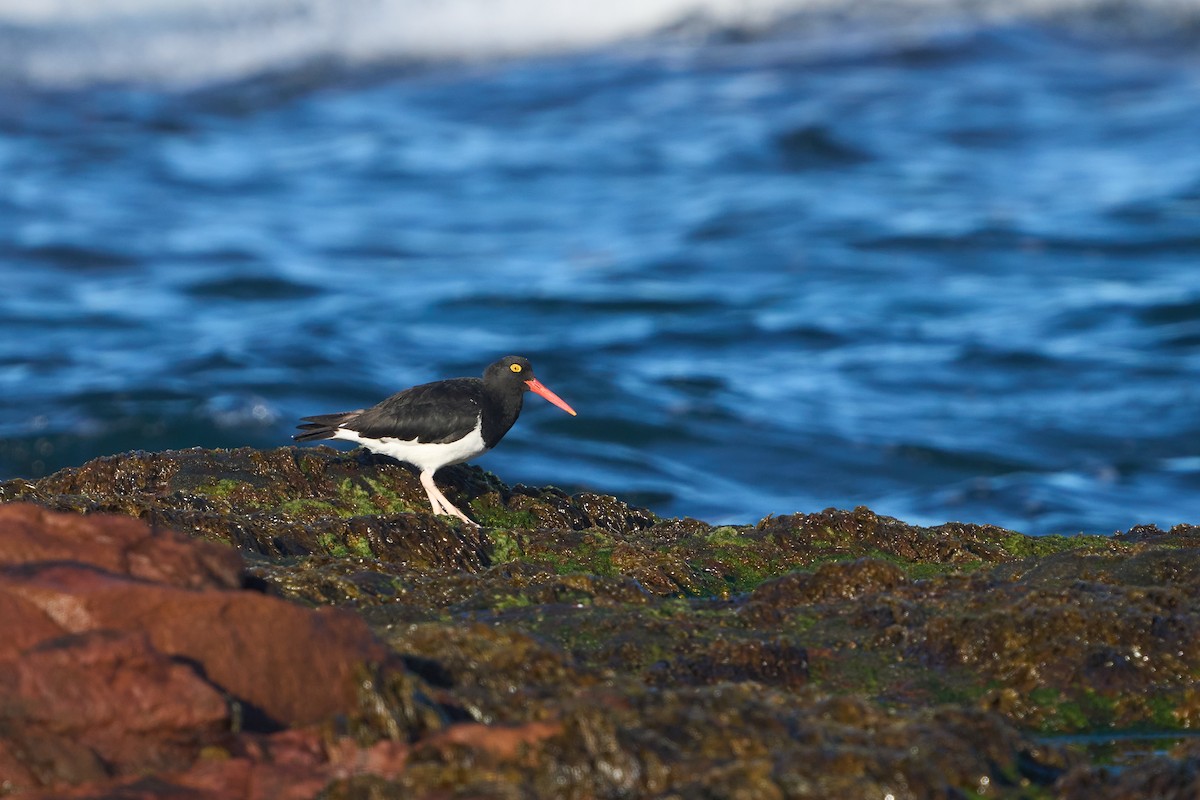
(775, 661)
(837, 581)
(1160, 777)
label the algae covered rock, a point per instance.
(576, 646)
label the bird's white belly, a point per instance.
(423, 456)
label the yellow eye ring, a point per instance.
(515, 367)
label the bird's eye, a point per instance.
(515, 367)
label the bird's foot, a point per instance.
(443, 508)
(466, 519)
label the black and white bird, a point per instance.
(437, 424)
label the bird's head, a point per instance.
(516, 371)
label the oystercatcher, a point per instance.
(437, 424)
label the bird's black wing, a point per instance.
(444, 411)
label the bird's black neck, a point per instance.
(501, 408)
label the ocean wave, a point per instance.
(64, 44)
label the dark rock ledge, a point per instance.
(349, 645)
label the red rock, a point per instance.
(121, 545)
(292, 768)
(122, 647)
(384, 759)
(502, 742)
(294, 664)
(15, 771)
(80, 704)
(25, 626)
(291, 765)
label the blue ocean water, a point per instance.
(941, 260)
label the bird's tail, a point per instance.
(322, 426)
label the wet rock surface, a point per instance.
(572, 647)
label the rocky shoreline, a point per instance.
(293, 623)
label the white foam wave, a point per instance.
(64, 43)
(69, 42)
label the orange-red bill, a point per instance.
(536, 386)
